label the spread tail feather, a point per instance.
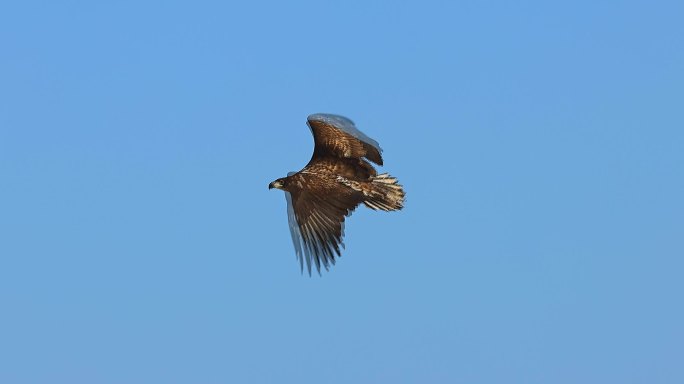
(385, 194)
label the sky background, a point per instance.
(541, 146)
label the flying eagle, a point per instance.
(335, 181)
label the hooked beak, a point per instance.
(275, 184)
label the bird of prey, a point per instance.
(336, 180)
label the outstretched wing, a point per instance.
(337, 136)
(317, 226)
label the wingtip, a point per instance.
(329, 118)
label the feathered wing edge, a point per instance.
(316, 253)
(346, 125)
(296, 234)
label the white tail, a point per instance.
(385, 194)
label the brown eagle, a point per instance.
(335, 181)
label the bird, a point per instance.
(338, 178)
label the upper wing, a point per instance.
(317, 227)
(338, 136)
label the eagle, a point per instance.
(338, 178)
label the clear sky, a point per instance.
(541, 146)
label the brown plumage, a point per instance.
(336, 180)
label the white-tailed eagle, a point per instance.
(335, 181)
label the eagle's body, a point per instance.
(336, 180)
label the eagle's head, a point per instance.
(279, 184)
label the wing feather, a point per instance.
(337, 136)
(317, 227)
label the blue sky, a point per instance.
(540, 145)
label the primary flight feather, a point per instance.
(336, 180)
